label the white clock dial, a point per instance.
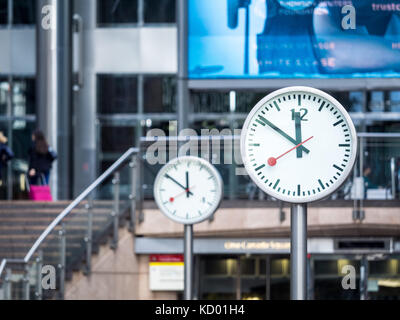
(188, 189)
(298, 144)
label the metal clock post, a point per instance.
(298, 145)
(188, 262)
(188, 190)
(298, 252)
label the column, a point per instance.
(53, 86)
(85, 123)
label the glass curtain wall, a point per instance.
(371, 111)
(130, 105)
(17, 104)
(17, 122)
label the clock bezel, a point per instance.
(312, 198)
(210, 212)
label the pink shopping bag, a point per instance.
(40, 193)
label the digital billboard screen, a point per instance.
(293, 39)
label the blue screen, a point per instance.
(293, 39)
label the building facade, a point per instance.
(126, 79)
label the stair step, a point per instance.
(22, 222)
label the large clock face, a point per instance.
(298, 144)
(188, 189)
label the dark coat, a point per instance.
(39, 161)
(5, 155)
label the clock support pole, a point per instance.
(188, 262)
(298, 252)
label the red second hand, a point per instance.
(272, 160)
(180, 194)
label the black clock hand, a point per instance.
(172, 179)
(187, 184)
(283, 134)
(297, 124)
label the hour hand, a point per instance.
(264, 121)
(176, 182)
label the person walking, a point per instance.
(5, 154)
(41, 157)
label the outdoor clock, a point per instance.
(188, 189)
(298, 144)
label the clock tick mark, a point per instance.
(260, 167)
(337, 123)
(260, 122)
(276, 183)
(337, 167)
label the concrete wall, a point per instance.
(116, 275)
(265, 222)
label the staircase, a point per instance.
(76, 230)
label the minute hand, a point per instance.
(172, 179)
(283, 134)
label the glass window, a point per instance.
(245, 101)
(394, 101)
(220, 266)
(117, 11)
(116, 94)
(248, 267)
(205, 102)
(24, 93)
(356, 101)
(24, 12)
(4, 87)
(3, 11)
(159, 11)
(21, 140)
(384, 268)
(159, 94)
(376, 103)
(117, 139)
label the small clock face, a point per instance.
(298, 144)
(188, 189)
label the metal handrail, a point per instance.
(79, 199)
(2, 266)
(6, 261)
(71, 207)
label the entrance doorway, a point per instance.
(244, 277)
